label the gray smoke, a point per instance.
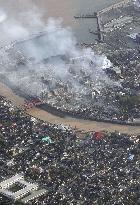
(32, 50)
(3, 16)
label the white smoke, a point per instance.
(56, 41)
(3, 16)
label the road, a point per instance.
(80, 124)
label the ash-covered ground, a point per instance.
(121, 34)
(76, 81)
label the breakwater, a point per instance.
(99, 16)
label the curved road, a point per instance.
(80, 124)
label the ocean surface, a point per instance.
(65, 9)
(68, 8)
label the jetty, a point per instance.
(100, 28)
(94, 15)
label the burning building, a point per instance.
(51, 66)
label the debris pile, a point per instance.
(100, 168)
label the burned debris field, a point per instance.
(97, 168)
(69, 111)
(99, 83)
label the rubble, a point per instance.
(91, 86)
(99, 167)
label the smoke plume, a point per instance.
(3, 16)
(32, 50)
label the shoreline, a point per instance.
(80, 124)
(99, 14)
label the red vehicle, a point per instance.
(33, 102)
(98, 136)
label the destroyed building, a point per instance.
(88, 85)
